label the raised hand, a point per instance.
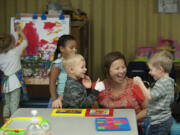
(17, 27)
(86, 82)
(99, 85)
(137, 80)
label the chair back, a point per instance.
(145, 125)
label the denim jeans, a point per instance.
(162, 128)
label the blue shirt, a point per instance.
(61, 78)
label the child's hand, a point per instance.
(57, 103)
(17, 27)
(86, 82)
(99, 85)
(137, 80)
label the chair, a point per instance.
(172, 73)
(139, 69)
(145, 125)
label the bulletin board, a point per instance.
(42, 36)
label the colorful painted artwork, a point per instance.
(112, 124)
(99, 112)
(41, 34)
(68, 112)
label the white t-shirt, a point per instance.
(10, 63)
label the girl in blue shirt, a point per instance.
(66, 45)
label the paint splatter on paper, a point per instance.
(41, 34)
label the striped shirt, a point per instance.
(159, 108)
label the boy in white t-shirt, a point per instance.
(10, 65)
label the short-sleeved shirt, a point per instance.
(132, 97)
(10, 63)
(162, 94)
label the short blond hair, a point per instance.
(6, 42)
(162, 59)
(71, 60)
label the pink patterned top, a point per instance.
(132, 97)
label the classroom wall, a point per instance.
(114, 25)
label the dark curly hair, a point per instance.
(62, 42)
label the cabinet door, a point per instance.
(80, 32)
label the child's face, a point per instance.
(118, 70)
(79, 69)
(70, 48)
(155, 72)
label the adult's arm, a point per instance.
(137, 92)
(143, 112)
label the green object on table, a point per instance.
(9, 126)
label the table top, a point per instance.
(79, 125)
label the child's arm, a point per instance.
(24, 43)
(139, 82)
(18, 28)
(75, 97)
(61, 97)
(56, 103)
